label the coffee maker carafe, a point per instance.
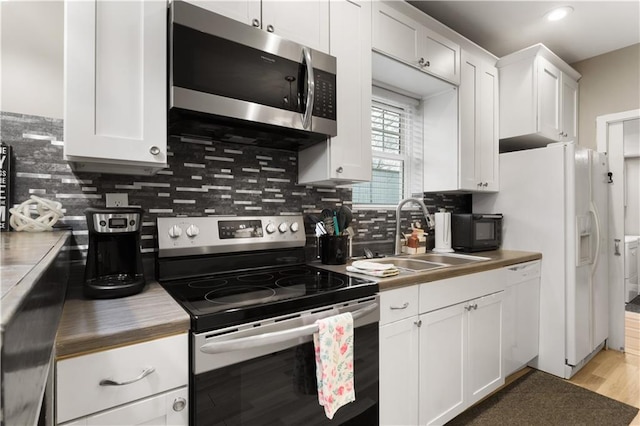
(114, 261)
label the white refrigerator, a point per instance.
(554, 201)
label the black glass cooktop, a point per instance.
(223, 300)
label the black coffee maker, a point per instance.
(114, 261)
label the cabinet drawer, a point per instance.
(78, 388)
(522, 272)
(442, 293)
(398, 304)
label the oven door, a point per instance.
(264, 372)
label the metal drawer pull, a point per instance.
(405, 305)
(266, 339)
(145, 373)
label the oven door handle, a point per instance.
(274, 337)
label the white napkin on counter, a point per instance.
(373, 268)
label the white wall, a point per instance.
(632, 177)
(610, 83)
(31, 57)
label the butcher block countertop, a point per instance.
(498, 259)
(95, 325)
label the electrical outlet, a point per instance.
(117, 200)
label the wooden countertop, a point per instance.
(498, 259)
(95, 325)
(24, 257)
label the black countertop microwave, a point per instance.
(232, 82)
(476, 232)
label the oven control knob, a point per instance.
(294, 227)
(192, 231)
(271, 228)
(175, 231)
(283, 227)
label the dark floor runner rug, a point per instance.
(539, 398)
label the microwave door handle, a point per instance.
(274, 337)
(306, 117)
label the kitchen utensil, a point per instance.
(345, 216)
(368, 254)
(336, 226)
(328, 225)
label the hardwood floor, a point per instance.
(615, 375)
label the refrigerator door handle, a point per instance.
(596, 218)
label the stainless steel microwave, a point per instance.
(232, 82)
(476, 232)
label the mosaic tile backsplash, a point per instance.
(202, 179)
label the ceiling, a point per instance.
(503, 27)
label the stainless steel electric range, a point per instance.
(253, 303)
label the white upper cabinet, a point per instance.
(478, 125)
(305, 22)
(408, 40)
(461, 131)
(538, 99)
(346, 158)
(115, 86)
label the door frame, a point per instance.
(610, 139)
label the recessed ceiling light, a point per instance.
(558, 13)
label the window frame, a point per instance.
(408, 105)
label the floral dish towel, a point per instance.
(334, 362)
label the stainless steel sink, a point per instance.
(411, 265)
(449, 258)
(428, 261)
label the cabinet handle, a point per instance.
(270, 28)
(485, 184)
(418, 323)
(154, 150)
(339, 170)
(255, 22)
(475, 306)
(179, 404)
(616, 247)
(479, 184)
(145, 373)
(405, 305)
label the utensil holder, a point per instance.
(334, 249)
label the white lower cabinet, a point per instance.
(442, 356)
(460, 357)
(144, 383)
(165, 409)
(399, 334)
(521, 315)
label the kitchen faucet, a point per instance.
(419, 202)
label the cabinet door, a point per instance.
(487, 143)
(398, 368)
(548, 80)
(442, 364)
(521, 324)
(440, 56)
(305, 22)
(469, 123)
(346, 158)
(569, 109)
(396, 34)
(115, 84)
(484, 367)
(246, 11)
